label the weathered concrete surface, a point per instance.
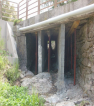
(55, 12)
(41, 83)
(21, 49)
(65, 104)
(61, 54)
(85, 57)
(10, 44)
(40, 52)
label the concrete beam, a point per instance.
(74, 26)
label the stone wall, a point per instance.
(85, 56)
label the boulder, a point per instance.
(65, 103)
(53, 99)
(41, 82)
(27, 74)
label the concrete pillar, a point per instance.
(40, 52)
(61, 54)
(22, 51)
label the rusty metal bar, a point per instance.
(22, 4)
(22, 9)
(71, 51)
(46, 7)
(36, 55)
(68, 55)
(32, 3)
(32, 13)
(21, 1)
(32, 8)
(49, 53)
(55, 3)
(38, 6)
(22, 17)
(74, 56)
(60, 2)
(26, 9)
(22, 13)
(45, 2)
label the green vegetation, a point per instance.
(83, 103)
(18, 96)
(17, 21)
(13, 73)
(14, 95)
(52, 2)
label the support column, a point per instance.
(36, 54)
(49, 50)
(22, 51)
(40, 52)
(75, 57)
(61, 55)
(71, 51)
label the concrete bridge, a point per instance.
(36, 36)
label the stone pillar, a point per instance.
(61, 54)
(40, 52)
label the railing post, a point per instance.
(26, 9)
(55, 3)
(18, 11)
(38, 6)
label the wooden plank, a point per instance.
(74, 26)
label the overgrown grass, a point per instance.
(18, 96)
(13, 73)
(14, 95)
(10, 71)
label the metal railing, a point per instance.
(28, 8)
(37, 7)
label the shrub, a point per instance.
(18, 96)
(13, 73)
(17, 21)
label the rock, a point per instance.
(27, 73)
(24, 68)
(41, 82)
(53, 99)
(48, 104)
(60, 86)
(85, 95)
(26, 82)
(18, 83)
(67, 98)
(65, 103)
(92, 68)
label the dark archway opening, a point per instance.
(31, 50)
(53, 53)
